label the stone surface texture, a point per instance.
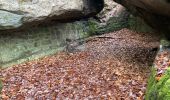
(33, 43)
(111, 9)
(155, 12)
(17, 13)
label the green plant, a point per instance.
(93, 27)
(158, 90)
(151, 92)
(0, 88)
(165, 42)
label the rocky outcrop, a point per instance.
(22, 13)
(111, 9)
(30, 29)
(115, 17)
(33, 43)
(155, 12)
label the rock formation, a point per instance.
(155, 12)
(30, 29)
(21, 13)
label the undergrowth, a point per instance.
(158, 90)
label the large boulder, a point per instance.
(155, 12)
(21, 13)
(111, 9)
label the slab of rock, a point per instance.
(17, 13)
(32, 43)
(154, 6)
(111, 9)
(155, 12)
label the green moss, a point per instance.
(165, 42)
(0, 88)
(163, 87)
(117, 23)
(150, 93)
(114, 24)
(159, 90)
(34, 43)
(137, 24)
(93, 27)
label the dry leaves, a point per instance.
(162, 62)
(106, 69)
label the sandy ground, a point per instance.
(112, 66)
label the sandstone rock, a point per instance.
(155, 12)
(21, 13)
(33, 43)
(113, 17)
(161, 7)
(111, 9)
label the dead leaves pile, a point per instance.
(95, 73)
(162, 63)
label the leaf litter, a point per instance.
(114, 68)
(162, 63)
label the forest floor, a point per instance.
(112, 66)
(162, 63)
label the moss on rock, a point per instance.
(158, 90)
(165, 42)
(21, 46)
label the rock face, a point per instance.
(30, 29)
(33, 43)
(21, 13)
(155, 12)
(111, 9)
(115, 17)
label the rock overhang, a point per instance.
(155, 12)
(23, 13)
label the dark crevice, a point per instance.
(168, 1)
